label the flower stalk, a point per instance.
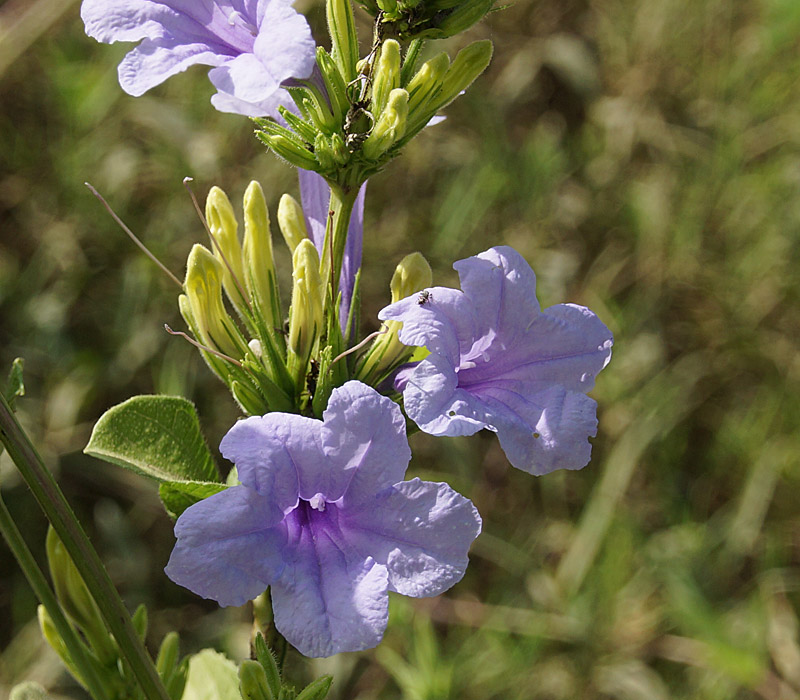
(58, 511)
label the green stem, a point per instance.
(339, 213)
(36, 578)
(51, 500)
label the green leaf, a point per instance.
(177, 496)
(158, 436)
(15, 386)
(212, 676)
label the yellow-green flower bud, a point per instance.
(253, 681)
(423, 87)
(291, 222)
(203, 288)
(305, 314)
(387, 75)
(387, 352)
(344, 40)
(324, 153)
(390, 127)
(410, 276)
(259, 275)
(225, 244)
(167, 659)
(340, 152)
(468, 65)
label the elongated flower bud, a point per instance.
(291, 221)
(259, 276)
(305, 315)
(344, 40)
(203, 288)
(387, 352)
(468, 65)
(75, 599)
(334, 84)
(390, 127)
(289, 149)
(316, 690)
(422, 89)
(387, 75)
(225, 245)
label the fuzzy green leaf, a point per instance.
(158, 436)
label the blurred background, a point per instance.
(645, 158)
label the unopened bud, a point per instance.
(422, 89)
(462, 18)
(253, 682)
(225, 244)
(291, 221)
(340, 152)
(324, 153)
(412, 275)
(334, 84)
(344, 40)
(203, 288)
(259, 276)
(387, 75)
(167, 659)
(468, 65)
(75, 598)
(267, 660)
(305, 314)
(28, 690)
(390, 127)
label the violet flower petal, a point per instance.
(216, 541)
(420, 531)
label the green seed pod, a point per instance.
(253, 683)
(316, 690)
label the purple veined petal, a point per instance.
(153, 61)
(364, 435)
(329, 599)
(434, 402)
(284, 44)
(445, 323)
(227, 549)
(421, 531)
(315, 195)
(266, 451)
(502, 288)
(555, 433)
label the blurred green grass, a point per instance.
(645, 158)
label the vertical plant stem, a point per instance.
(339, 213)
(36, 578)
(51, 500)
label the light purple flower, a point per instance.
(253, 46)
(315, 195)
(498, 362)
(324, 518)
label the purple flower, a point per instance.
(253, 46)
(315, 195)
(498, 362)
(324, 518)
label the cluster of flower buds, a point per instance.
(362, 112)
(100, 648)
(427, 19)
